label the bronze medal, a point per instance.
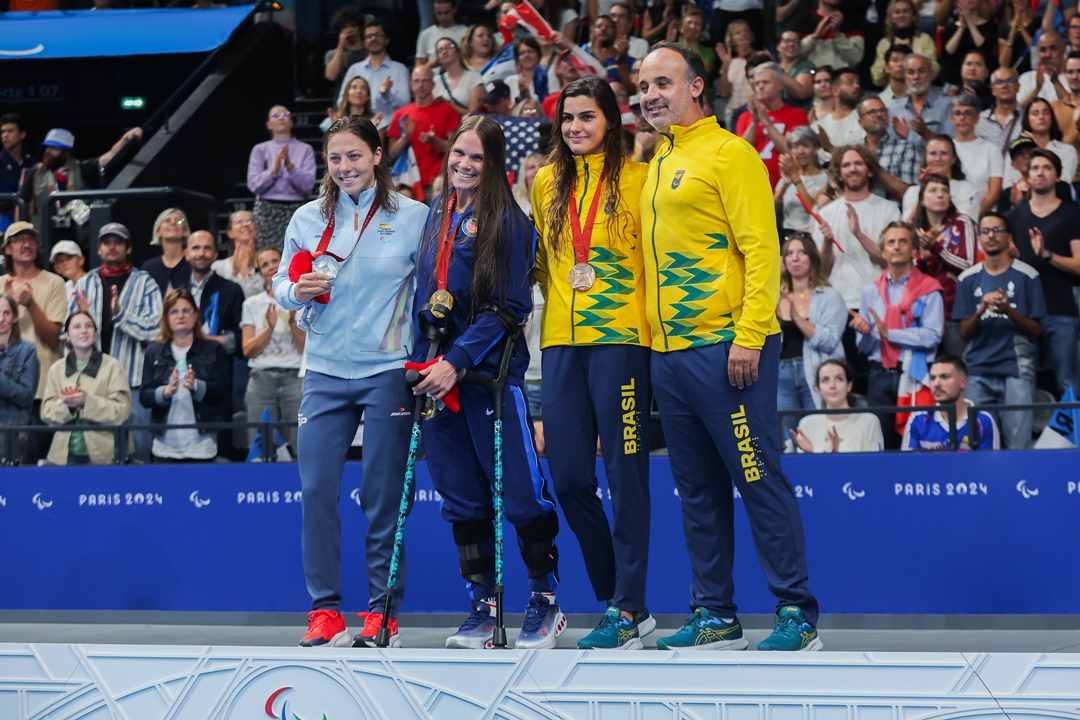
(582, 276)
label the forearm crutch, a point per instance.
(435, 334)
(496, 386)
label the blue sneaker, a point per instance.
(475, 632)
(543, 623)
(792, 632)
(615, 632)
(702, 631)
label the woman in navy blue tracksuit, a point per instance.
(479, 247)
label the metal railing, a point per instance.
(14, 199)
(948, 410)
(121, 433)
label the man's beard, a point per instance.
(861, 186)
(55, 162)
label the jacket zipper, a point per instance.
(656, 259)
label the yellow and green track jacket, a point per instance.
(612, 311)
(712, 255)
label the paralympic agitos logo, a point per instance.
(284, 706)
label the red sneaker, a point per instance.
(372, 623)
(325, 627)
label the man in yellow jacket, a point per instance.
(712, 276)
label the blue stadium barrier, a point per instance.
(911, 533)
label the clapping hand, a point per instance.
(879, 325)
(174, 384)
(853, 220)
(858, 323)
(189, 378)
(801, 441)
(834, 439)
(73, 397)
(824, 27)
(20, 291)
(271, 316)
(723, 53)
(1038, 244)
(919, 125)
(901, 127)
(926, 238)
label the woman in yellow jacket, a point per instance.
(595, 350)
(85, 388)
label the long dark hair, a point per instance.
(493, 209)
(346, 107)
(562, 162)
(67, 328)
(364, 129)
(849, 375)
(1055, 129)
(922, 218)
(16, 333)
(817, 278)
(957, 169)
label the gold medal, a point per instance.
(442, 302)
(582, 276)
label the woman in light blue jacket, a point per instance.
(812, 318)
(358, 339)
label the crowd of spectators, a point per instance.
(923, 155)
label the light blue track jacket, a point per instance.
(367, 325)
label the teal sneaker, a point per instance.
(646, 623)
(792, 632)
(615, 632)
(702, 631)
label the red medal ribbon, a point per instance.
(446, 240)
(328, 233)
(301, 261)
(583, 235)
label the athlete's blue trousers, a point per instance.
(461, 458)
(716, 434)
(602, 390)
(330, 413)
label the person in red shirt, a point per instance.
(769, 119)
(424, 125)
(567, 72)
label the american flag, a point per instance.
(521, 138)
